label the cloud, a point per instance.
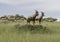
(10, 2)
(52, 5)
(49, 5)
(16, 2)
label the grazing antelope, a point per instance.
(11, 18)
(4, 17)
(32, 18)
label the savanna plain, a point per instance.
(23, 32)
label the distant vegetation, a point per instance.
(12, 17)
(19, 16)
(50, 19)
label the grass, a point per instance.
(21, 32)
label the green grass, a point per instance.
(21, 32)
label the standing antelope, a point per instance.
(41, 17)
(32, 18)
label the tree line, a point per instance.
(21, 17)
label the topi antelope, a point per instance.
(32, 18)
(40, 18)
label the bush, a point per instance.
(50, 19)
(32, 29)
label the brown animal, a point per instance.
(41, 17)
(4, 17)
(32, 18)
(11, 18)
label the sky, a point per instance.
(51, 8)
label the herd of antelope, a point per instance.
(32, 18)
(9, 18)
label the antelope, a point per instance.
(40, 18)
(32, 18)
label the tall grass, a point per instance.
(20, 32)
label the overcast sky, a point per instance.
(28, 7)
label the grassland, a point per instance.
(21, 32)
